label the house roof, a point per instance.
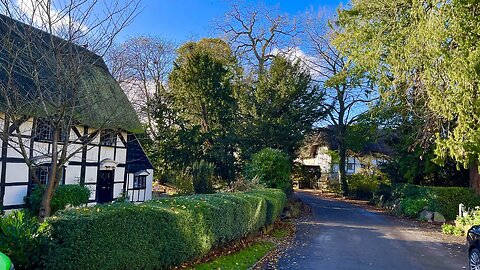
(326, 137)
(35, 82)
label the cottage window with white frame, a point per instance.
(140, 179)
(139, 182)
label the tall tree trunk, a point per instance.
(45, 205)
(342, 151)
(475, 177)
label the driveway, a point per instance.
(339, 235)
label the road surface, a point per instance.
(339, 235)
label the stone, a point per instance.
(426, 215)
(437, 217)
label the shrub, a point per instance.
(366, 185)
(452, 229)
(202, 173)
(272, 168)
(412, 207)
(441, 199)
(183, 181)
(22, 240)
(73, 195)
(157, 234)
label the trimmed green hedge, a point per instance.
(157, 234)
(442, 199)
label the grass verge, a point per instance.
(243, 259)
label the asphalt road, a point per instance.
(340, 235)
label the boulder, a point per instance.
(426, 215)
(437, 217)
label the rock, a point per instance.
(437, 217)
(426, 215)
(288, 214)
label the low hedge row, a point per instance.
(442, 199)
(157, 234)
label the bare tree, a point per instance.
(142, 65)
(53, 78)
(348, 92)
(256, 34)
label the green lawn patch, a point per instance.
(243, 259)
(280, 233)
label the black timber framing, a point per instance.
(4, 163)
(83, 169)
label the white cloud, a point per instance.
(42, 15)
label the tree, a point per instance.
(280, 109)
(201, 84)
(256, 35)
(347, 89)
(423, 54)
(141, 65)
(55, 81)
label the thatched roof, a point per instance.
(36, 76)
(326, 137)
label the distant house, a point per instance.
(321, 148)
(113, 163)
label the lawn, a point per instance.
(243, 259)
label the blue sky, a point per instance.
(183, 20)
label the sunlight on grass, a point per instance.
(243, 259)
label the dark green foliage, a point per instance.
(203, 174)
(306, 177)
(441, 199)
(366, 185)
(73, 195)
(280, 108)
(157, 234)
(412, 207)
(22, 240)
(272, 168)
(275, 202)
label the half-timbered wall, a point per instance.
(82, 168)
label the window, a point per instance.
(44, 131)
(350, 166)
(140, 182)
(108, 137)
(42, 173)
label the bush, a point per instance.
(202, 173)
(272, 168)
(412, 207)
(22, 240)
(183, 181)
(65, 195)
(366, 185)
(157, 234)
(444, 200)
(452, 230)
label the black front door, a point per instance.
(105, 186)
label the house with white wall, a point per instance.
(321, 148)
(106, 156)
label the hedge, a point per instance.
(157, 234)
(441, 199)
